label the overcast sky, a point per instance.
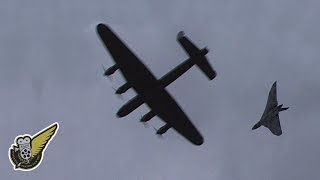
(50, 71)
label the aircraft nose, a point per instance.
(254, 127)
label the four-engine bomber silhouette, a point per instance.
(270, 118)
(151, 90)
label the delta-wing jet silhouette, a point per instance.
(151, 90)
(270, 117)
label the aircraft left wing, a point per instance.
(272, 101)
(129, 64)
(118, 50)
(126, 61)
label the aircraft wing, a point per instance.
(127, 61)
(169, 111)
(274, 125)
(272, 98)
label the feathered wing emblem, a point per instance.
(19, 153)
(40, 141)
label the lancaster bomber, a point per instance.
(151, 90)
(270, 117)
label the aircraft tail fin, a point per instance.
(280, 108)
(206, 68)
(283, 109)
(192, 50)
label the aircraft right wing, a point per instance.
(272, 98)
(167, 109)
(274, 125)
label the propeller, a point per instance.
(110, 78)
(120, 96)
(159, 135)
(103, 68)
(145, 124)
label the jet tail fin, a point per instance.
(280, 108)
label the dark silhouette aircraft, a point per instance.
(270, 118)
(151, 90)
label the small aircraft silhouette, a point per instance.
(270, 116)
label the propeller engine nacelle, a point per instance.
(130, 106)
(122, 89)
(111, 70)
(147, 116)
(163, 129)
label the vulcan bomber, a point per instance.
(270, 117)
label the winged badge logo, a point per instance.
(27, 152)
